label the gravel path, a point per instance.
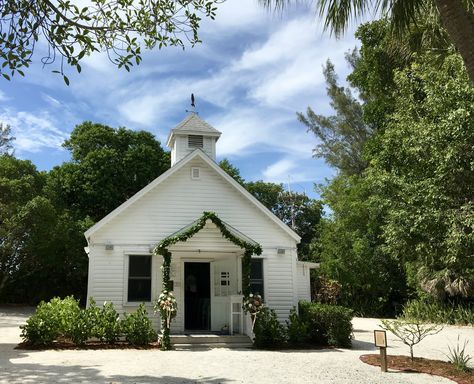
(213, 366)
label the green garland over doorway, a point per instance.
(162, 249)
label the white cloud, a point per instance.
(3, 96)
(232, 15)
(250, 75)
(298, 169)
(279, 170)
(51, 100)
(33, 132)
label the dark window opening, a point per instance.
(256, 277)
(139, 278)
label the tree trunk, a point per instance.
(460, 26)
(411, 353)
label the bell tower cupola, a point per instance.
(191, 134)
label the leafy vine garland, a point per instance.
(162, 249)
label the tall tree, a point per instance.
(297, 210)
(108, 166)
(231, 171)
(343, 136)
(422, 169)
(41, 246)
(351, 249)
(351, 246)
(6, 139)
(456, 16)
(20, 182)
(72, 32)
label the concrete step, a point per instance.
(209, 340)
(196, 346)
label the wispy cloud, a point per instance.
(33, 133)
(3, 96)
(250, 75)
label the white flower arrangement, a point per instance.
(167, 306)
(253, 304)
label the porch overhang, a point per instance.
(234, 231)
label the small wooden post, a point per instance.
(383, 359)
(380, 338)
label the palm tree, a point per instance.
(456, 16)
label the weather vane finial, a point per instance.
(193, 104)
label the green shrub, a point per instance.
(106, 324)
(297, 329)
(40, 328)
(137, 327)
(268, 331)
(55, 319)
(327, 324)
(427, 310)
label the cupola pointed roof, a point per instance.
(194, 125)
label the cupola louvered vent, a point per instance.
(195, 141)
(195, 173)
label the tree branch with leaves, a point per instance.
(410, 332)
(120, 28)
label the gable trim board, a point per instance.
(213, 165)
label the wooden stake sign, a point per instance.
(380, 338)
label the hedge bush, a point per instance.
(326, 324)
(106, 323)
(137, 327)
(51, 321)
(316, 325)
(268, 330)
(297, 329)
(63, 319)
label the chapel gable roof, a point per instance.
(213, 165)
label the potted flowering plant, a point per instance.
(167, 307)
(253, 304)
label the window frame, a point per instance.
(259, 280)
(127, 279)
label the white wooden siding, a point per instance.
(181, 148)
(173, 204)
(303, 282)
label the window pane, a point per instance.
(256, 277)
(256, 269)
(257, 288)
(139, 289)
(139, 278)
(140, 266)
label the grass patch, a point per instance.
(421, 365)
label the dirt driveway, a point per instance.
(212, 366)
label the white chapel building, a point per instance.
(206, 270)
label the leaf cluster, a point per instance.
(108, 166)
(199, 224)
(410, 332)
(121, 28)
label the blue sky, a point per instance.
(252, 73)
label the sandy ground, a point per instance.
(214, 366)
